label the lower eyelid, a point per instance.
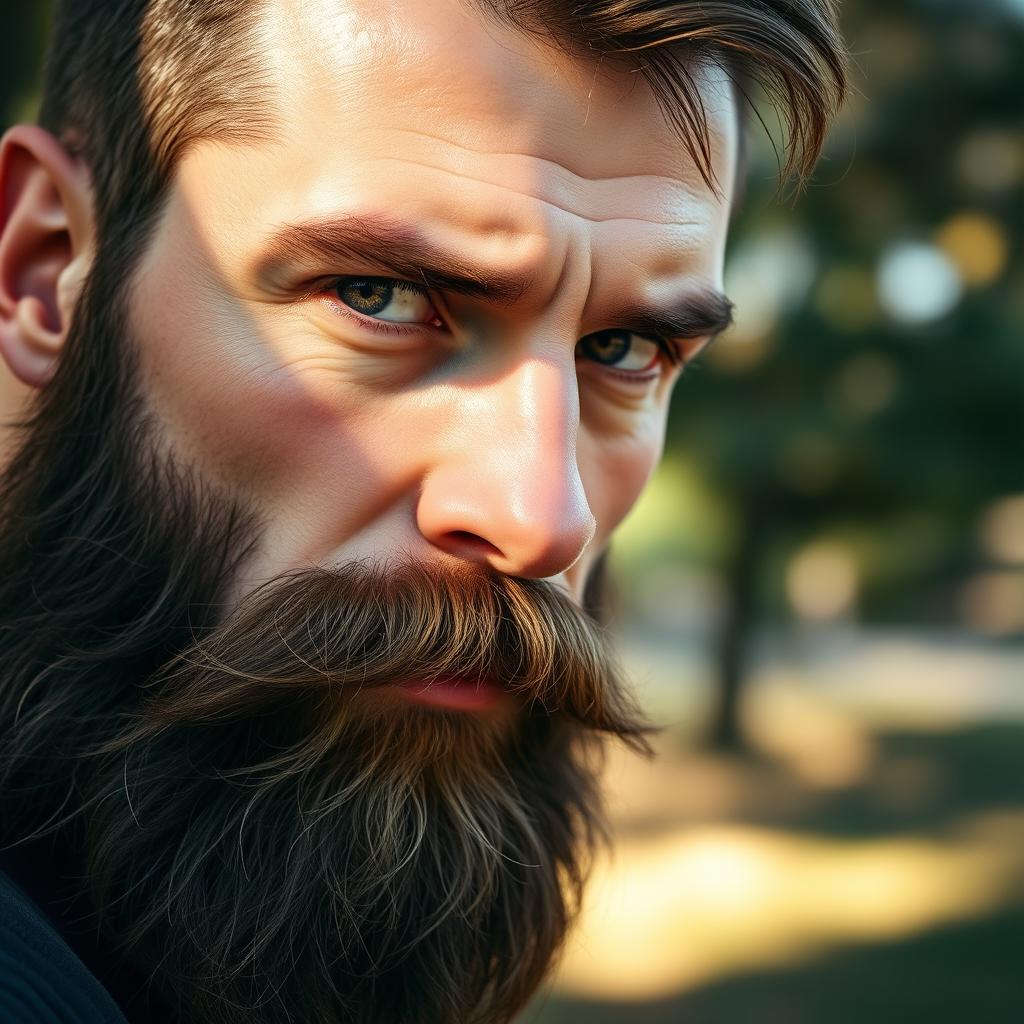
(381, 326)
(633, 378)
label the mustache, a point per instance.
(331, 633)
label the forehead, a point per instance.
(444, 60)
(426, 110)
(347, 67)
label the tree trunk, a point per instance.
(740, 615)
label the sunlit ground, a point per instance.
(864, 862)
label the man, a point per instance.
(353, 328)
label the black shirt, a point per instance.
(41, 980)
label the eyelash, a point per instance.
(668, 348)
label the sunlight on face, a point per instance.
(442, 315)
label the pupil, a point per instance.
(366, 296)
(609, 346)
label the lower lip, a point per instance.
(454, 694)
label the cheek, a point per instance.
(314, 456)
(241, 400)
(615, 473)
(272, 413)
(226, 411)
(236, 389)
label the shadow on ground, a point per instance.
(915, 786)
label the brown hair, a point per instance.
(790, 48)
(130, 84)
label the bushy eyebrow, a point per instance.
(403, 251)
(699, 314)
(397, 249)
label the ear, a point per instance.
(46, 244)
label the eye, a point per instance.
(379, 298)
(625, 351)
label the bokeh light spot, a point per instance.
(978, 247)
(822, 581)
(847, 299)
(765, 278)
(991, 160)
(993, 603)
(1002, 530)
(810, 463)
(866, 385)
(918, 283)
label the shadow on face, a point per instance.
(510, 415)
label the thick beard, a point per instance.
(259, 830)
(282, 838)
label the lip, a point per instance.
(454, 694)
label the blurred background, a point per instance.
(822, 594)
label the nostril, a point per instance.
(470, 543)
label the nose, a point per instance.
(505, 489)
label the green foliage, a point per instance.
(22, 42)
(845, 415)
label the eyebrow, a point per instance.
(405, 252)
(397, 249)
(703, 313)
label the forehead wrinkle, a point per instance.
(559, 168)
(537, 198)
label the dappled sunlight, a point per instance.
(682, 909)
(921, 681)
(822, 581)
(820, 745)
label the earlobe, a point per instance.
(46, 239)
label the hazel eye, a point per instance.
(381, 299)
(626, 351)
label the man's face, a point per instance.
(428, 333)
(510, 424)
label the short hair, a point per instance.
(131, 84)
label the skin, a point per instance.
(494, 439)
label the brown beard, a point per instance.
(256, 824)
(275, 835)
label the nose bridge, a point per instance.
(510, 476)
(535, 419)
